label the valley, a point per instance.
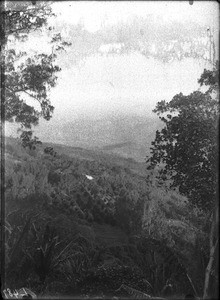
(101, 203)
(110, 117)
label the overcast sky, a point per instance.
(125, 83)
(95, 13)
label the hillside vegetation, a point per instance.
(84, 224)
(92, 221)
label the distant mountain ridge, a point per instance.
(14, 153)
(128, 136)
(115, 146)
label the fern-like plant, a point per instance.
(48, 254)
(14, 243)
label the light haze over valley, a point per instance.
(119, 66)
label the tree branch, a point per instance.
(19, 91)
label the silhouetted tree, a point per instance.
(186, 149)
(24, 75)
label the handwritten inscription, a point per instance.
(19, 294)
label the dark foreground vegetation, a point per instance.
(68, 234)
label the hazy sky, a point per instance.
(125, 83)
(95, 13)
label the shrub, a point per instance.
(109, 276)
(50, 151)
(47, 254)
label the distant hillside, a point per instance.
(129, 136)
(100, 156)
(116, 146)
(136, 151)
(14, 153)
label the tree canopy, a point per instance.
(25, 75)
(186, 149)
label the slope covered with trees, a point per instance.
(117, 226)
(85, 226)
(185, 155)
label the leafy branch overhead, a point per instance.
(20, 18)
(27, 76)
(186, 149)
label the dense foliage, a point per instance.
(26, 75)
(186, 149)
(184, 155)
(68, 234)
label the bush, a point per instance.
(28, 178)
(47, 253)
(50, 151)
(109, 277)
(54, 178)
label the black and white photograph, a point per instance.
(109, 149)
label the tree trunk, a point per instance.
(192, 285)
(213, 246)
(208, 271)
